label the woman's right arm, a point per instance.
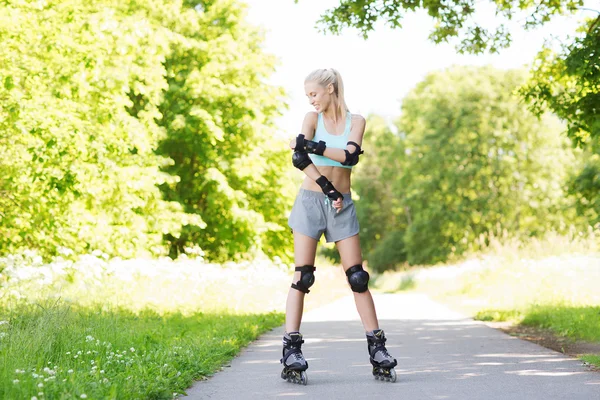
(309, 126)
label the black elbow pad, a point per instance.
(301, 160)
(352, 158)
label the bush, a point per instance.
(389, 252)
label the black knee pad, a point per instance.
(358, 278)
(307, 278)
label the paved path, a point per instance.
(441, 355)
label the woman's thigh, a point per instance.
(350, 252)
(305, 249)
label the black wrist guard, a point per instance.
(314, 147)
(300, 146)
(328, 188)
(310, 146)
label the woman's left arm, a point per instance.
(350, 155)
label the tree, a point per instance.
(567, 83)
(478, 162)
(102, 103)
(379, 212)
(78, 170)
(452, 18)
(219, 117)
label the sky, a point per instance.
(380, 71)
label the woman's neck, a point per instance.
(333, 113)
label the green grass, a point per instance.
(578, 323)
(63, 352)
(137, 329)
(591, 359)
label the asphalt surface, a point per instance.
(441, 355)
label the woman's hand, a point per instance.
(293, 144)
(338, 204)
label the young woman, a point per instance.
(326, 150)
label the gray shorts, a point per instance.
(313, 214)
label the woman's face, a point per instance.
(318, 96)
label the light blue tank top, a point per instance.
(334, 141)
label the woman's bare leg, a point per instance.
(350, 254)
(305, 249)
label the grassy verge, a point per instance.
(134, 329)
(64, 353)
(557, 293)
(577, 323)
(592, 360)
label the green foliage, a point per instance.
(219, 120)
(379, 212)
(388, 253)
(568, 84)
(102, 103)
(478, 162)
(585, 188)
(452, 18)
(78, 169)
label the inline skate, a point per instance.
(294, 364)
(383, 364)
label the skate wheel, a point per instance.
(392, 375)
(303, 378)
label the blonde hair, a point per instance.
(324, 77)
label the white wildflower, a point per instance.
(16, 381)
(40, 385)
(70, 371)
(83, 396)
